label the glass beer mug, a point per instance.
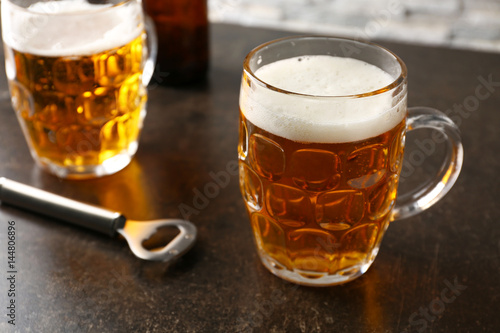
(322, 135)
(77, 75)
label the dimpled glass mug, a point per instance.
(322, 135)
(77, 74)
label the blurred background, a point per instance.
(465, 24)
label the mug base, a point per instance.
(311, 278)
(108, 167)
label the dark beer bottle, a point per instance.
(182, 29)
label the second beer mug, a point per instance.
(322, 135)
(77, 75)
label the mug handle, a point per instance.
(419, 199)
(152, 41)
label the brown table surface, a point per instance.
(438, 271)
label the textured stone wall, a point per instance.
(471, 24)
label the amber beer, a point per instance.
(319, 175)
(79, 96)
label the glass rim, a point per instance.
(81, 12)
(401, 79)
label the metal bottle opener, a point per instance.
(101, 220)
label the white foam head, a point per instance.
(317, 115)
(69, 28)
